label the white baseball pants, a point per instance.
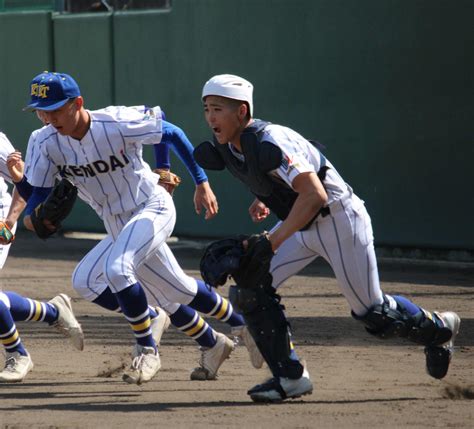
(135, 250)
(344, 239)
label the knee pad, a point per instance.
(269, 327)
(385, 322)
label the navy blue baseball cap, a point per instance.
(50, 91)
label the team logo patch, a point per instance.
(286, 161)
(39, 91)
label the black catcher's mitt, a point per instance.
(221, 258)
(255, 264)
(228, 257)
(47, 217)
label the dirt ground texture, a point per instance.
(359, 381)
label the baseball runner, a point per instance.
(89, 282)
(101, 153)
(320, 216)
(13, 307)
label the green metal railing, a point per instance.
(30, 5)
(78, 6)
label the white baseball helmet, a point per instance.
(230, 86)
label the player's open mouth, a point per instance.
(216, 130)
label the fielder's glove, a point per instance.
(47, 217)
(168, 180)
(6, 234)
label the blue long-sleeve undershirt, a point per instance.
(174, 137)
(37, 197)
(24, 188)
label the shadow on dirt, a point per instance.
(27, 245)
(308, 331)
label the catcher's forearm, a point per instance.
(309, 202)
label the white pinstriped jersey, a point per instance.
(106, 165)
(6, 149)
(30, 151)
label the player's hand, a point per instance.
(258, 211)
(168, 179)
(15, 166)
(6, 234)
(205, 198)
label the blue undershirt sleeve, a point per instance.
(175, 138)
(24, 188)
(162, 155)
(37, 197)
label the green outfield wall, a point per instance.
(387, 86)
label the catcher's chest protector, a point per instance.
(260, 158)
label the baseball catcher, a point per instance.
(247, 260)
(47, 216)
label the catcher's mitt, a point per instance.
(255, 264)
(168, 180)
(6, 234)
(221, 258)
(248, 266)
(47, 217)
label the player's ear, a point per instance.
(79, 102)
(243, 110)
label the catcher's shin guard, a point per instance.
(384, 322)
(268, 326)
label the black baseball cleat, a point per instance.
(438, 357)
(279, 389)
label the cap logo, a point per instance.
(39, 90)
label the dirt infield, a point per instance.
(359, 381)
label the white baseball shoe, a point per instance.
(145, 365)
(439, 357)
(159, 325)
(242, 334)
(277, 390)
(67, 323)
(212, 358)
(16, 368)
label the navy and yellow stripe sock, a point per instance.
(210, 303)
(27, 309)
(134, 306)
(109, 301)
(188, 321)
(9, 336)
